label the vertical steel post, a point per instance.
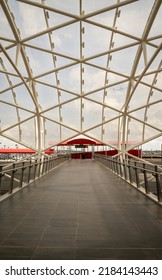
(113, 165)
(158, 186)
(49, 165)
(39, 168)
(145, 179)
(116, 163)
(53, 163)
(22, 173)
(30, 166)
(125, 172)
(129, 171)
(120, 166)
(1, 175)
(136, 174)
(42, 166)
(12, 178)
(35, 169)
(45, 166)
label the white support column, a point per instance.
(18, 50)
(82, 45)
(144, 48)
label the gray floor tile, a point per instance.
(80, 211)
(116, 254)
(18, 253)
(54, 254)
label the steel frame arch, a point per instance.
(133, 79)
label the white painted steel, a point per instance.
(89, 73)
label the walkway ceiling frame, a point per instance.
(31, 81)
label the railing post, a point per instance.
(30, 166)
(35, 169)
(52, 163)
(104, 161)
(55, 164)
(145, 179)
(12, 178)
(44, 166)
(124, 167)
(116, 166)
(39, 169)
(1, 175)
(129, 170)
(120, 167)
(158, 186)
(47, 165)
(42, 169)
(22, 174)
(109, 163)
(112, 164)
(136, 174)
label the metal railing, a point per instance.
(147, 178)
(20, 174)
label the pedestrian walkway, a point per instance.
(80, 211)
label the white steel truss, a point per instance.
(90, 68)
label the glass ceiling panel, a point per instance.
(29, 19)
(134, 16)
(94, 5)
(69, 6)
(6, 31)
(69, 68)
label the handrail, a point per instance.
(24, 172)
(137, 174)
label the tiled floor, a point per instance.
(80, 211)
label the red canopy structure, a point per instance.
(22, 151)
(81, 141)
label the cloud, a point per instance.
(5, 29)
(133, 17)
(94, 78)
(31, 19)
